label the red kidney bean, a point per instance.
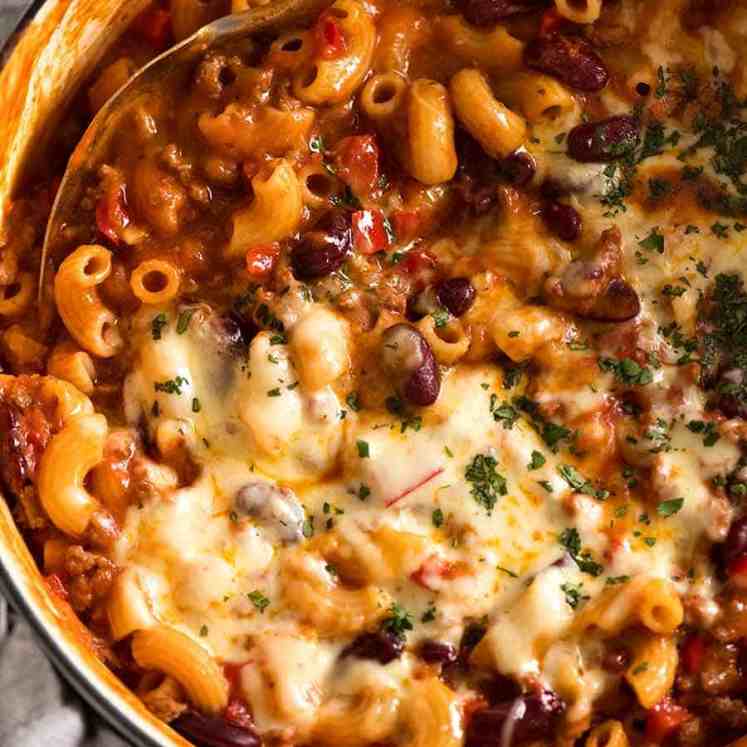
(437, 652)
(736, 541)
(382, 646)
(409, 358)
(519, 168)
(616, 660)
(275, 507)
(489, 12)
(456, 295)
(323, 251)
(527, 717)
(618, 303)
(208, 731)
(563, 220)
(569, 59)
(604, 140)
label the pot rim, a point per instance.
(122, 720)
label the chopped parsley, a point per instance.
(437, 517)
(571, 541)
(708, 429)
(654, 242)
(171, 386)
(487, 483)
(573, 594)
(259, 600)
(670, 507)
(274, 392)
(182, 323)
(363, 450)
(430, 614)
(579, 483)
(440, 318)
(398, 622)
(538, 460)
(507, 571)
(503, 413)
(627, 371)
(615, 580)
(157, 324)
(353, 401)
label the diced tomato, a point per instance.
(54, 582)
(433, 570)
(356, 160)
(693, 651)
(417, 261)
(330, 41)
(232, 673)
(664, 719)
(111, 215)
(237, 713)
(405, 223)
(261, 259)
(369, 231)
(154, 25)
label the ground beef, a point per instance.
(25, 431)
(89, 575)
(166, 701)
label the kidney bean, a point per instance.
(618, 303)
(489, 12)
(456, 295)
(438, 652)
(563, 220)
(408, 357)
(275, 507)
(323, 251)
(616, 660)
(382, 646)
(604, 140)
(593, 288)
(527, 717)
(208, 731)
(569, 59)
(519, 168)
(736, 540)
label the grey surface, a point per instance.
(10, 12)
(36, 708)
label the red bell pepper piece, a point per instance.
(664, 719)
(369, 231)
(261, 259)
(330, 40)
(356, 160)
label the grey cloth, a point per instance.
(37, 709)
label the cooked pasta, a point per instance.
(388, 383)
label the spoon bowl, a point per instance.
(92, 148)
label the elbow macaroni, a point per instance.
(169, 651)
(492, 124)
(92, 325)
(274, 213)
(70, 455)
(432, 154)
(330, 81)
